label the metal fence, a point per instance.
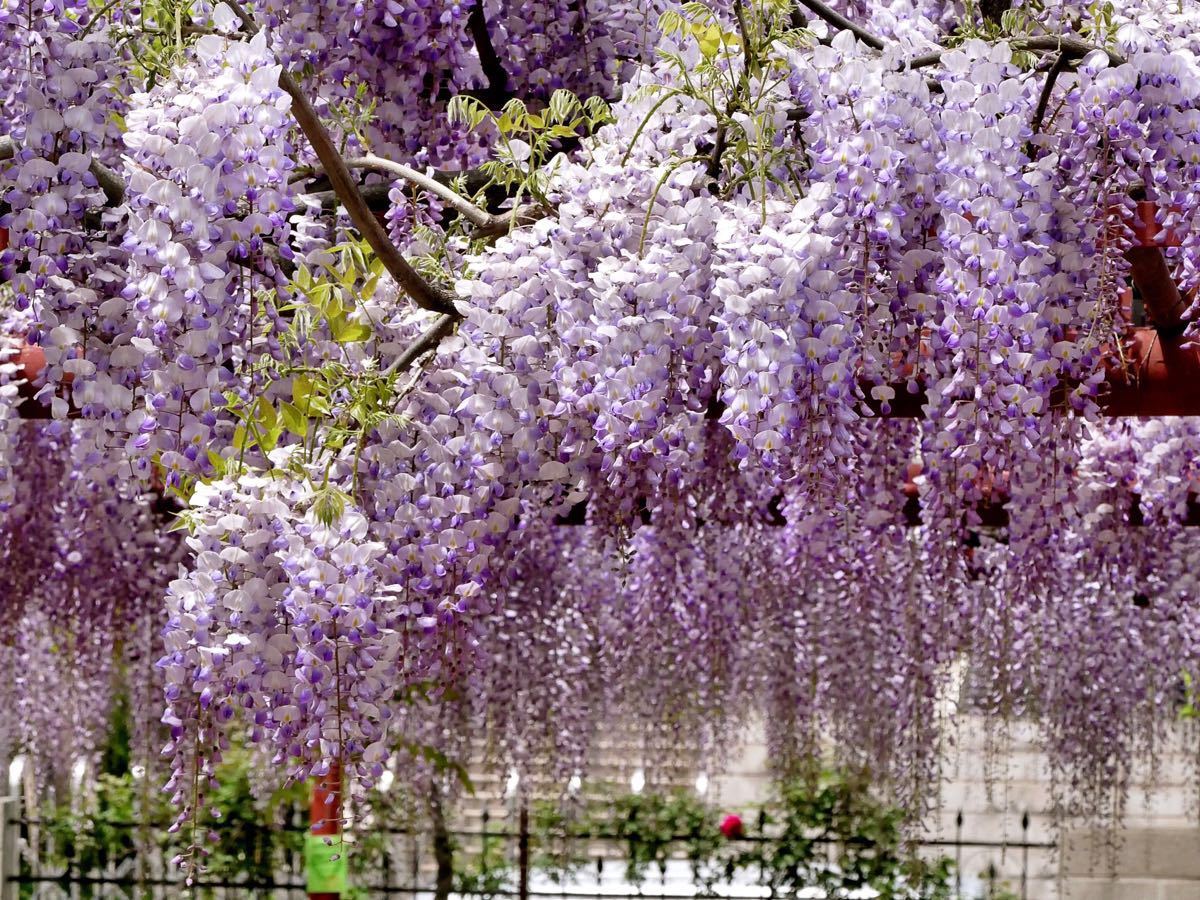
(492, 861)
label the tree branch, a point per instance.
(489, 59)
(428, 341)
(500, 225)
(1071, 48)
(376, 196)
(478, 217)
(424, 294)
(487, 225)
(837, 20)
(713, 169)
(109, 181)
(1060, 65)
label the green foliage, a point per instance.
(115, 756)
(527, 140)
(251, 837)
(485, 874)
(354, 114)
(123, 814)
(824, 831)
(559, 839)
(828, 831)
(1190, 707)
(100, 835)
(159, 44)
(654, 825)
(736, 79)
(1100, 24)
(347, 402)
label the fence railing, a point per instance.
(10, 808)
(494, 860)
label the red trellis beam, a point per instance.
(1160, 377)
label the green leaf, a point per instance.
(345, 331)
(319, 294)
(266, 427)
(293, 420)
(467, 110)
(265, 413)
(563, 105)
(302, 390)
(217, 461)
(710, 40)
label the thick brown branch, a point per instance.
(109, 181)
(1039, 115)
(1071, 48)
(423, 293)
(376, 196)
(713, 170)
(748, 48)
(502, 224)
(497, 225)
(837, 20)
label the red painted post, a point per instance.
(1162, 379)
(1152, 274)
(326, 815)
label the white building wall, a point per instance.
(1157, 855)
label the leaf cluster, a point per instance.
(828, 831)
(825, 830)
(529, 141)
(737, 79)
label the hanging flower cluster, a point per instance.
(208, 223)
(84, 564)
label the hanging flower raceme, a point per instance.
(282, 621)
(208, 223)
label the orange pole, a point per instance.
(325, 814)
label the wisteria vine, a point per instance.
(725, 360)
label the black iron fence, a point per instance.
(497, 859)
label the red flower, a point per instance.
(732, 827)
